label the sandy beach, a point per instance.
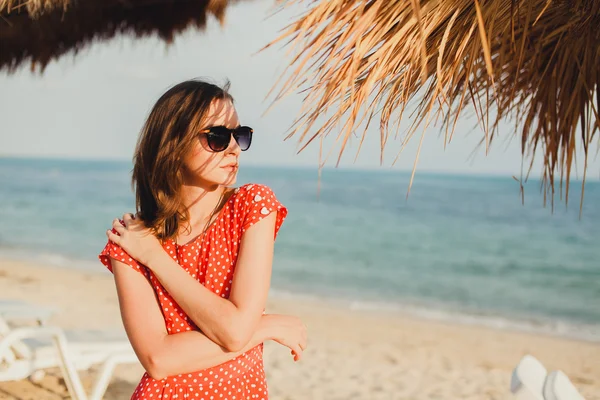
(351, 354)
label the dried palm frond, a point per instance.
(535, 61)
(38, 31)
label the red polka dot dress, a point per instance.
(210, 258)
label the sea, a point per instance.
(460, 248)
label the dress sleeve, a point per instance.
(260, 201)
(112, 250)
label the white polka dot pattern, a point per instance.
(211, 261)
(259, 203)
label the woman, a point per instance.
(192, 268)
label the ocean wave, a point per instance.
(49, 259)
(538, 325)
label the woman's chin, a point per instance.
(229, 179)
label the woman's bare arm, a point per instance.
(232, 322)
(162, 354)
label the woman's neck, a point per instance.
(201, 202)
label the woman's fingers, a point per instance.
(297, 352)
(113, 237)
(303, 338)
(118, 226)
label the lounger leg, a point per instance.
(67, 368)
(103, 379)
(105, 375)
(74, 385)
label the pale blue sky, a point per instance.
(93, 105)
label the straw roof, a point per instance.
(37, 31)
(535, 62)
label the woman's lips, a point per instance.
(231, 167)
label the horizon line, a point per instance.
(374, 168)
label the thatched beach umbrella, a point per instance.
(37, 31)
(534, 61)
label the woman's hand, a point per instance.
(290, 332)
(133, 237)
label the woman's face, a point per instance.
(205, 167)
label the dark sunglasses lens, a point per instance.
(218, 138)
(243, 136)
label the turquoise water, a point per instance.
(461, 248)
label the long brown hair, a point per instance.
(168, 134)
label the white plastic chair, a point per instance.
(25, 351)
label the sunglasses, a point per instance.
(219, 137)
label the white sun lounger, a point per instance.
(559, 387)
(528, 377)
(531, 381)
(25, 351)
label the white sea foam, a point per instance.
(539, 325)
(50, 259)
(545, 326)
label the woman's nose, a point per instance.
(233, 147)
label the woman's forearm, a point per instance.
(191, 351)
(214, 315)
